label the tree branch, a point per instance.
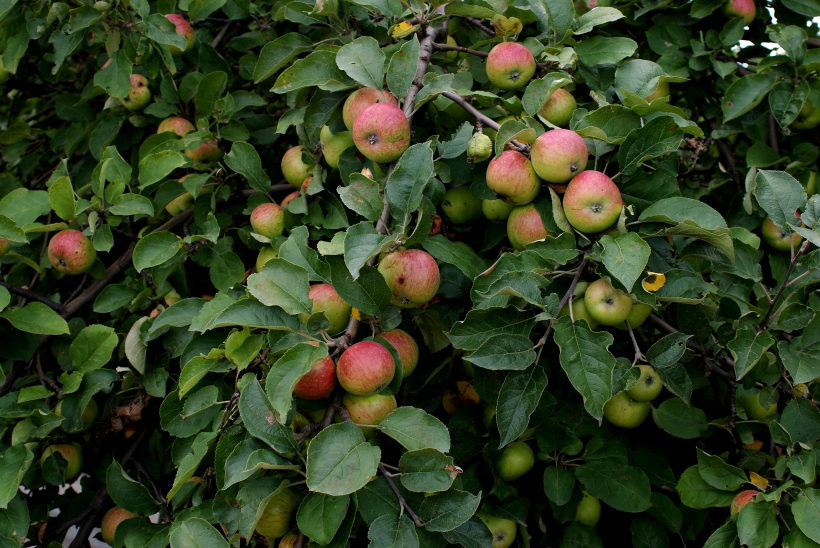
(32, 296)
(487, 121)
(783, 286)
(448, 47)
(479, 25)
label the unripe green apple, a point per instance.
(71, 453)
(369, 410)
(489, 415)
(807, 118)
(558, 110)
(648, 387)
(278, 514)
(172, 297)
(265, 254)
(742, 499)
(637, 316)
(111, 520)
(588, 510)
(406, 346)
(510, 65)
(333, 144)
(293, 168)
(605, 304)
(289, 540)
(365, 368)
(71, 252)
(579, 312)
(139, 96)
(451, 55)
(88, 416)
(623, 411)
(317, 383)
(479, 148)
(779, 239)
(460, 206)
(412, 275)
(740, 8)
(184, 29)
(512, 177)
(362, 98)
(661, 91)
(516, 460)
(325, 299)
(754, 410)
(381, 132)
(503, 531)
(558, 155)
(525, 226)
(592, 202)
(809, 180)
(181, 203)
(498, 211)
(268, 220)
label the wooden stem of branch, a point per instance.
(487, 121)
(479, 25)
(32, 296)
(448, 47)
(728, 161)
(274, 189)
(783, 286)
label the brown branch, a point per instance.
(31, 295)
(221, 36)
(448, 47)
(479, 25)
(425, 52)
(403, 502)
(813, 42)
(729, 161)
(487, 121)
(283, 187)
(780, 291)
(45, 379)
(638, 354)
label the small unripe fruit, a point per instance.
(588, 510)
(516, 460)
(71, 252)
(451, 55)
(293, 168)
(460, 206)
(5, 245)
(71, 453)
(111, 521)
(334, 144)
(623, 411)
(139, 96)
(778, 239)
(579, 312)
(605, 304)
(369, 410)
(88, 416)
(648, 387)
(498, 211)
(559, 108)
(265, 254)
(479, 148)
(101, 6)
(278, 514)
(754, 410)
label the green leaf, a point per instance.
(558, 484)
(509, 130)
(320, 516)
(362, 196)
(201, 9)
(405, 185)
(718, 474)
(127, 493)
(810, 8)
(434, 86)
(195, 532)
(286, 372)
(416, 429)
(470, 8)
(517, 401)
(115, 79)
(368, 293)
(780, 195)
(258, 415)
(747, 348)
(210, 88)
(806, 510)
(625, 488)
(625, 257)
(14, 462)
(667, 350)
(93, 347)
(250, 456)
(340, 460)
(159, 29)
(446, 251)
(190, 462)
(390, 531)
(696, 493)
(557, 15)
(801, 420)
(675, 417)
(757, 525)
(317, 69)
(503, 352)
(36, 318)
(132, 204)
(601, 50)
(481, 324)
(282, 284)
(656, 138)
(244, 160)
(594, 17)
(647, 533)
(61, 198)
(23, 206)
(403, 66)
(362, 242)
(363, 60)
(786, 100)
(155, 249)
(277, 53)
(745, 94)
(426, 470)
(540, 90)
(155, 167)
(801, 356)
(446, 511)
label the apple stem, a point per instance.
(784, 285)
(638, 354)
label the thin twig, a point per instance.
(300, 540)
(638, 354)
(45, 379)
(448, 47)
(783, 286)
(479, 25)
(402, 502)
(487, 121)
(31, 295)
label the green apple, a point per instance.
(639, 313)
(489, 415)
(605, 304)
(503, 530)
(88, 416)
(588, 511)
(648, 387)
(754, 410)
(278, 513)
(623, 411)
(661, 91)
(498, 211)
(71, 453)
(807, 118)
(579, 312)
(779, 239)
(265, 255)
(333, 144)
(516, 460)
(451, 55)
(460, 206)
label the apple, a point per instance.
(172, 297)
(265, 254)
(558, 155)
(605, 304)
(406, 347)
(88, 416)
(412, 275)
(579, 312)
(809, 180)
(510, 65)
(71, 453)
(502, 530)
(111, 521)
(139, 96)
(661, 91)
(362, 98)
(176, 124)
(625, 412)
(498, 211)
(754, 410)
(333, 144)
(206, 153)
(71, 252)
(369, 410)
(512, 177)
(516, 460)
(637, 316)
(268, 220)
(592, 202)
(583, 6)
(479, 148)
(317, 383)
(5, 245)
(289, 540)
(293, 168)
(381, 132)
(648, 387)
(807, 118)
(559, 108)
(325, 299)
(365, 368)
(740, 8)
(742, 499)
(287, 199)
(525, 226)
(460, 207)
(588, 510)
(278, 514)
(451, 55)
(181, 203)
(779, 239)
(185, 30)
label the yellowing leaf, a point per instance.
(654, 281)
(403, 29)
(758, 481)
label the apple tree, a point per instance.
(410, 274)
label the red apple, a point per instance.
(381, 132)
(369, 410)
(206, 153)
(71, 252)
(412, 275)
(317, 383)
(139, 96)
(559, 108)
(592, 202)
(365, 368)
(558, 155)
(525, 226)
(268, 220)
(362, 98)
(293, 168)
(111, 521)
(278, 514)
(5, 245)
(512, 177)
(510, 65)
(406, 347)
(740, 8)
(325, 299)
(176, 124)
(742, 499)
(289, 198)
(185, 30)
